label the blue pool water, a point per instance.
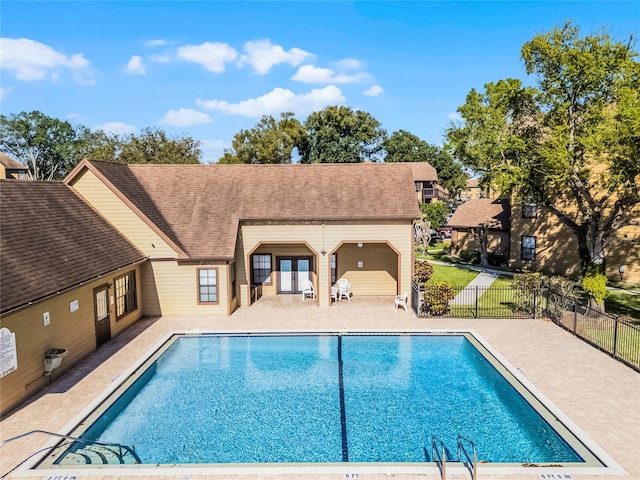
(376, 398)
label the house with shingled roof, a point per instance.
(494, 213)
(69, 281)
(12, 169)
(425, 179)
(221, 236)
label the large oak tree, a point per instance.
(569, 142)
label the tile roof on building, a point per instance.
(201, 206)
(472, 183)
(473, 213)
(10, 163)
(51, 240)
(423, 171)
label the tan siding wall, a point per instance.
(557, 247)
(464, 240)
(398, 234)
(121, 216)
(74, 331)
(176, 289)
(379, 272)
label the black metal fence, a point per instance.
(617, 337)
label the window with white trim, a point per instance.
(207, 285)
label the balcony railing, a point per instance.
(438, 193)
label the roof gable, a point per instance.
(51, 240)
(201, 206)
(473, 213)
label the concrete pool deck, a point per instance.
(598, 394)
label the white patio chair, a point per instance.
(343, 289)
(401, 301)
(307, 290)
(335, 296)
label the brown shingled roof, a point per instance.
(51, 240)
(423, 171)
(10, 163)
(472, 213)
(201, 205)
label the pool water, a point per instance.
(351, 398)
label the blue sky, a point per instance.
(209, 69)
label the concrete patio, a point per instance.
(597, 394)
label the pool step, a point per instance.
(100, 455)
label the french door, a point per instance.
(293, 272)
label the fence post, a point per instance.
(615, 339)
(575, 317)
(476, 316)
(535, 303)
(548, 297)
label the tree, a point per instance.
(47, 146)
(402, 146)
(340, 135)
(154, 146)
(571, 143)
(435, 212)
(270, 141)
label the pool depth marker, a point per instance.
(343, 415)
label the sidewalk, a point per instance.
(484, 279)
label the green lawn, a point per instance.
(624, 304)
(458, 277)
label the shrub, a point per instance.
(423, 271)
(562, 294)
(528, 292)
(470, 256)
(436, 298)
(594, 283)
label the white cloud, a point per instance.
(30, 60)
(311, 74)
(117, 128)
(136, 65)
(4, 91)
(185, 117)
(454, 116)
(349, 64)
(277, 101)
(159, 58)
(211, 56)
(155, 43)
(373, 91)
(262, 55)
(74, 116)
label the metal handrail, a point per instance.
(120, 447)
(443, 457)
(472, 462)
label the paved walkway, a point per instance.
(590, 390)
(482, 280)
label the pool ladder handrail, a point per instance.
(440, 460)
(472, 461)
(119, 446)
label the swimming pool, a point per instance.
(367, 398)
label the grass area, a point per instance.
(458, 277)
(624, 304)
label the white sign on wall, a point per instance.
(73, 306)
(8, 354)
(46, 319)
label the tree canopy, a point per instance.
(155, 146)
(270, 141)
(569, 142)
(341, 135)
(402, 146)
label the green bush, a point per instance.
(528, 292)
(470, 256)
(436, 298)
(594, 283)
(423, 271)
(562, 294)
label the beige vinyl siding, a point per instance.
(74, 331)
(176, 289)
(379, 272)
(283, 250)
(121, 216)
(624, 249)
(333, 236)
